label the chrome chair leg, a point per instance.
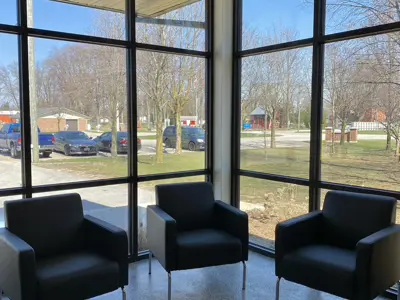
(150, 256)
(244, 275)
(169, 285)
(398, 290)
(278, 280)
(123, 293)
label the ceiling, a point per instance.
(144, 8)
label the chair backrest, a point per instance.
(190, 204)
(50, 225)
(350, 217)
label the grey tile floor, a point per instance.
(215, 283)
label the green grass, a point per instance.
(251, 135)
(365, 163)
(372, 132)
(107, 167)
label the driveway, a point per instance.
(109, 203)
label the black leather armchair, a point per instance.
(188, 229)
(350, 249)
(50, 250)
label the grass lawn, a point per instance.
(365, 163)
(107, 167)
(147, 137)
(372, 132)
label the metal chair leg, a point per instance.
(150, 256)
(169, 285)
(398, 290)
(244, 275)
(123, 293)
(278, 280)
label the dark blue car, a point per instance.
(74, 142)
(193, 138)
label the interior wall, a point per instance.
(223, 57)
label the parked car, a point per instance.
(193, 138)
(74, 142)
(104, 142)
(10, 141)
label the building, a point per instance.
(55, 119)
(6, 116)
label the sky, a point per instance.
(262, 14)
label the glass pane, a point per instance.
(74, 17)
(10, 140)
(2, 200)
(273, 22)
(268, 203)
(146, 196)
(8, 12)
(184, 27)
(171, 110)
(81, 112)
(345, 15)
(108, 203)
(276, 112)
(362, 112)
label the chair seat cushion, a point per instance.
(207, 247)
(321, 267)
(76, 276)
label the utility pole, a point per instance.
(32, 87)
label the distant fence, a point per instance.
(368, 126)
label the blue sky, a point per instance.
(263, 14)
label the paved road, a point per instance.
(108, 203)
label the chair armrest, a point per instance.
(109, 241)
(235, 222)
(378, 260)
(161, 236)
(17, 267)
(295, 233)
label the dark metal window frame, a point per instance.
(317, 42)
(23, 32)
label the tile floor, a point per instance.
(215, 283)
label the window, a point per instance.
(268, 203)
(171, 91)
(275, 112)
(146, 196)
(78, 87)
(362, 112)
(74, 17)
(183, 27)
(8, 12)
(274, 22)
(10, 142)
(76, 66)
(345, 15)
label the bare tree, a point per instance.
(9, 84)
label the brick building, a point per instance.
(56, 119)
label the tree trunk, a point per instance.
(148, 117)
(159, 142)
(265, 130)
(397, 147)
(388, 138)
(298, 120)
(114, 136)
(273, 120)
(178, 126)
(342, 133)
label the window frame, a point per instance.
(23, 32)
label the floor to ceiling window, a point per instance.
(104, 101)
(315, 106)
